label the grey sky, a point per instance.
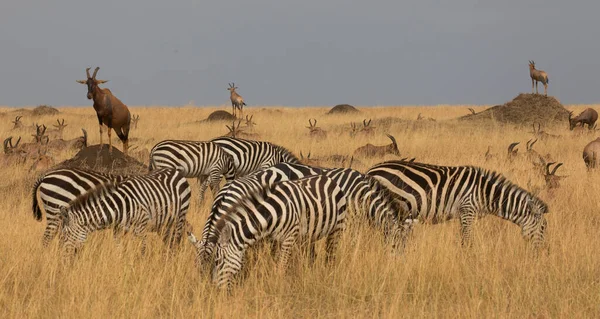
(310, 52)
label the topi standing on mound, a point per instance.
(538, 76)
(110, 110)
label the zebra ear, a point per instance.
(225, 235)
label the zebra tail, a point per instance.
(37, 212)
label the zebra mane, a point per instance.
(94, 192)
(494, 176)
(285, 152)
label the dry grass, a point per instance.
(435, 278)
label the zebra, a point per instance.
(57, 188)
(157, 202)
(194, 159)
(364, 195)
(287, 212)
(251, 156)
(439, 193)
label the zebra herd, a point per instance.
(269, 195)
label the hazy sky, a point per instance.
(298, 53)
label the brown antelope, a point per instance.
(77, 143)
(249, 125)
(538, 76)
(591, 154)
(538, 161)
(488, 154)
(109, 109)
(12, 153)
(513, 151)
(371, 150)
(236, 132)
(367, 129)
(17, 124)
(134, 121)
(353, 130)
(552, 180)
(421, 118)
(237, 102)
(57, 133)
(588, 116)
(308, 160)
(316, 131)
(41, 161)
(541, 134)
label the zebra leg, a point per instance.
(51, 230)
(286, 250)
(214, 180)
(140, 232)
(203, 186)
(467, 216)
(331, 245)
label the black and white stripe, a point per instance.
(439, 193)
(366, 198)
(206, 161)
(288, 212)
(156, 202)
(251, 156)
(57, 188)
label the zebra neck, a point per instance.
(508, 201)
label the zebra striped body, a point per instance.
(288, 212)
(194, 160)
(59, 187)
(439, 193)
(364, 195)
(155, 202)
(251, 156)
(235, 191)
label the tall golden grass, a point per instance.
(435, 277)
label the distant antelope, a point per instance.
(552, 180)
(591, 154)
(41, 161)
(316, 131)
(77, 143)
(367, 128)
(538, 161)
(370, 150)
(588, 116)
(110, 110)
(488, 154)
(308, 160)
(237, 102)
(17, 123)
(236, 132)
(541, 134)
(249, 123)
(472, 111)
(57, 133)
(421, 118)
(538, 76)
(12, 153)
(134, 121)
(513, 151)
(353, 129)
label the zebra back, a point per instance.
(192, 158)
(57, 188)
(438, 193)
(235, 191)
(304, 210)
(250, 156)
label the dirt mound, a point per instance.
(220, 115)
(525, 109)
(98, 158)
(343, 109)
(44, 110)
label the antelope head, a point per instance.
(61, 125)
(531, 65)
(232, 88)
(91, 82)
(367, 128)
(9, 148)
(134, 120)
(552, 180)
(353, 129)
(513, 150)
(234, 129)
(17, 122)
(249, 123)
(40, 132)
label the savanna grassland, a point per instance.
(497, 277)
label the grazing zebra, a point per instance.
(155, 202)
(364, 195)
(235, 191)
(288, 212)
(251, 156)
(194, 160)
(59, 187)
(439, 193)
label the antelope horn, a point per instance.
(555, 168)
(17, 144)
(6, 144)
(539, 127)
(365, 122)
(308, 156)
(87, 72)
(84, 137)
(531, 145)
(393, 142)
(369, 123)
(95, 72)
(511, 147)
(548, 167)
